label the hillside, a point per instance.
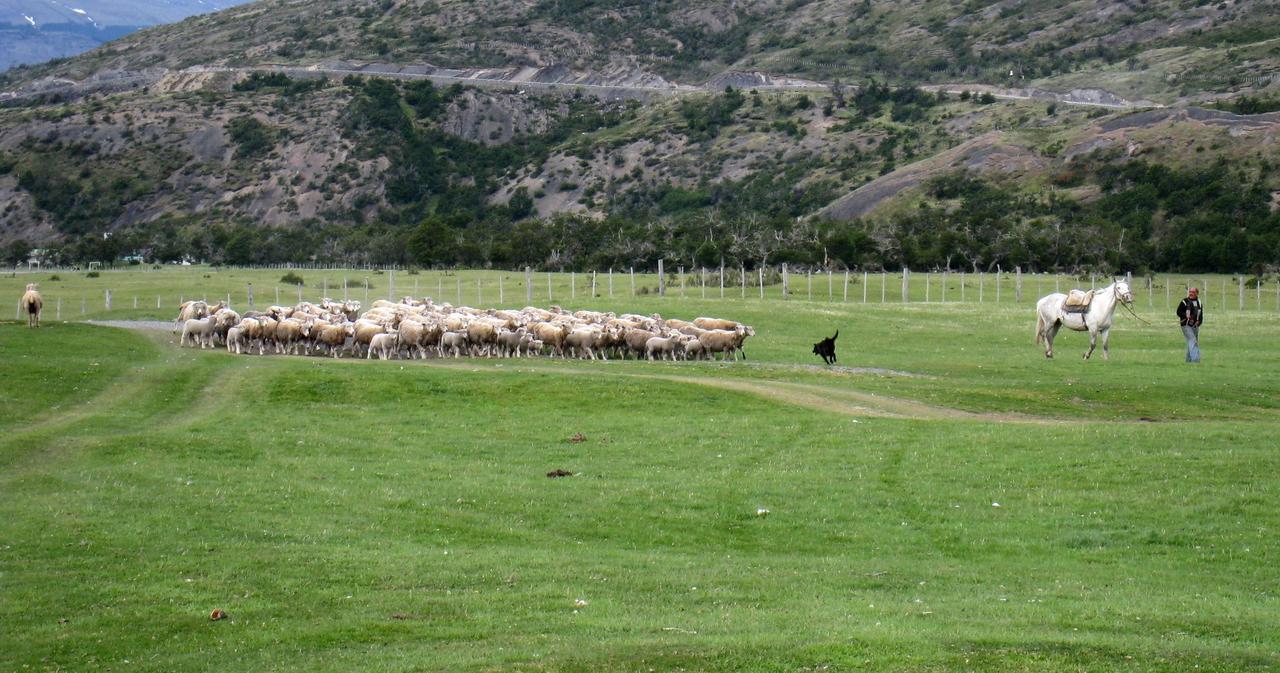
(591, 146)
(1158, 49)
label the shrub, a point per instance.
(55, 277)
(92, 274)
(291, 278)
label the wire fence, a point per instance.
(254, 288)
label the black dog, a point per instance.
(826, 349)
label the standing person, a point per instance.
(1190, 316)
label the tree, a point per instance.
(434, 242)
(17, 252)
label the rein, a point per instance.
(1133, 313)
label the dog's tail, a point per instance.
(837, 336)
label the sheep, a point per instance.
(235, 340)
(200, 331)
(384, 345)
(455, 341)
(691, 347)
(224, 319)
(583, 339)
(509, 342)
(364, 331)
(668, 347)
(725, 341)
(251, 333)
(529, 346)
(551, 334)
(333, 338)
(411, 333)
(289, 334)
(32, 302)
(268, 333)
(190, 310)
(482, 336)
(636, 339)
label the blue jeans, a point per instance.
(1192, 334)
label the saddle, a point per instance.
(1077, 301)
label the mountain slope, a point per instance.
(584, 144)
(1161, 49)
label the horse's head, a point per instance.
(1123, 293)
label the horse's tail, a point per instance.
(1039, 326)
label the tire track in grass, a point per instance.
(830, 399)
(159, 389)
(842, 401)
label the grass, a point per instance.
(391, 516)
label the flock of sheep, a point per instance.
(413, 328)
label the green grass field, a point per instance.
(396, 516)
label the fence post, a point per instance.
(808, 276)
(249, 294)
(58, 314)
(1017, 286)
(722, 280)
(1150, 301)
(846, 286)
(1258, 294)
(680, 273)
(458, 281)
(82, 307)
(611, 282)
(108, 300)
(981, 288)
(158, 301)
(299, 294)
(501, 299)
(528, 285)
(593, 284)
(760, 269)
(999, 271)
(1167, 283)
(633, 280)
(742, 275)
(277, 297)
(702, 276)
(1241, 282)
(366, 290)
(962, 287)
(573, 284)
(662, 280)
(906, 286)
(391, 285)
(1057, 279)
(784, 281)
(945, 273)
(928, 276)
(884, 285)
(548, 287)
(830, 291)
(864, 287)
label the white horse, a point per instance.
(1050, 316)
